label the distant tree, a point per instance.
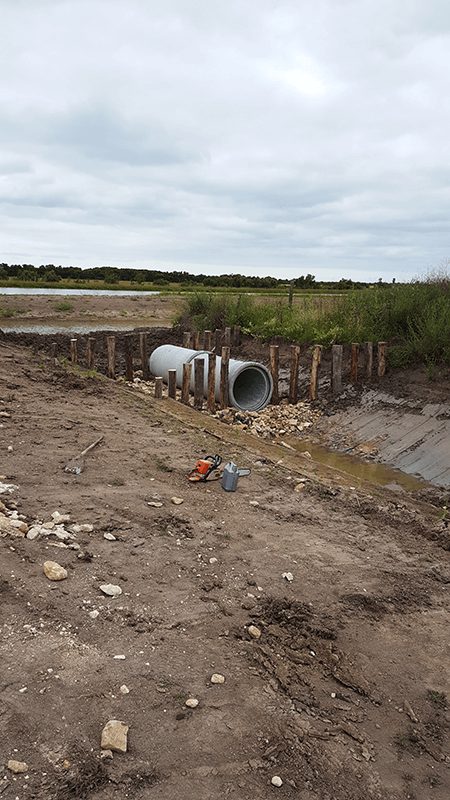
(51, 276)
(111, 275)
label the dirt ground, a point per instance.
(343, 695)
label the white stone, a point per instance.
(106, 754)
(59, 518)
(154, 504)
(94, 614)
(17, 766)
(213, 560)
(119, 658)
(109, 536)
(254, 631)
(34, 532)
(111, 590)
(177, 500)
(54, 571)
(276, 780)
(192, 702)
(216, 678)
(254, 503)
(288, 575)
(124, 689)
(114, 736)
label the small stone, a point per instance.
(119, 658)
(33, 532)
(276, 780)
(288, 575)
(213, 560)
(192, 702)
(299, 487)
(254, 631)
(60, 518)
(10, 448)
(17, 766)
(124, 689)
(111, 590)
(177, 501)
(114, 736)
(94, 614)
(106, 754)
(216, 678)
(154, 504)
(254, 503)
(109, 536)
(54, 571)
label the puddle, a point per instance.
(43, 326)
(373, 472)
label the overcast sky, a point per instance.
(267, 137)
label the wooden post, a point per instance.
(211, 382)
(224, 399)
(172, 383)
(129, 358)
(158, 387)
(111, 343)
(227, 337)
(186, 339)
(144, 356)
(291, 292)
(368, 358)
(315, 371)
(195, 340)
(90, 352)
(53, 350)
(293, 387)
(336, 368)
(187, 368)
(354, 363)
(199, 382)
(218, 342)
(274, 365)
(236, 335)
(382, 353)
(73, 351)
(207, 341)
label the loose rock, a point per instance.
(110, 537)
(17, 766)
(114, 736)
(288, 575)
(111, 590)
(54, 571)
(192, 702)
(177, 500)
(254, 631)
(216, 678)
(276, 780)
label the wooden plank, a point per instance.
(172, 383)
(224, 367)
(293, 385)
(199, 382)
(111, 344)
(336, 368)
(211, 402)
(317, 356)
(144, 356)
(186, 383)
(274, 367)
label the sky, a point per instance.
(261, 137)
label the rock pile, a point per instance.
(273, 421)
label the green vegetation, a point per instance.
(413, 317)
(63, 305)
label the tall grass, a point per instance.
(414, 317)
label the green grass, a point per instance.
(414, 318)
(63, 305)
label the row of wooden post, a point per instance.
(232, 335)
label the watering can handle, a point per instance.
(242, 472)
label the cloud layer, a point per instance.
(257, 136)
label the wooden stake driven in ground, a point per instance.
(211, 403)
(274, 366)
(186, 383)
(199, 382)
(90, 353)
(218, 341)
(224, 368)
(382, 353)
(144, 356)
(293, 387)
(195, 339)
(227, 337)
(111, 343)
(368, 358)
(336, 368)
(354, 363)
(73, 351)
(129, 358)
(236, 336)
(207, 341)
(317, 355)
(187, 339)
(158, 387)
(172, 383)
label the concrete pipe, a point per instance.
(250, 385)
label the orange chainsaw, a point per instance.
(204, 467)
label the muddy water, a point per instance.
(361, 470)
(52, 326)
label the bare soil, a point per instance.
(343, 696)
